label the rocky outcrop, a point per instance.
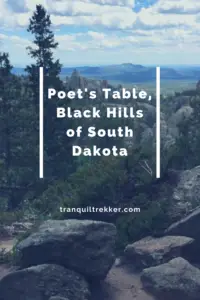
(180, 101)
(186, 195)
(42, 282)
(190, 226)
(86, 247)
(198, 85)
(76, 81)
(151, 251)
(183, 114)
(174, 280)
(168, 136)
(182, 194)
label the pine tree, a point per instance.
(56, 146)
(5, 76)
(40, 27)
(10, 131)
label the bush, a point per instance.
(95, 183)
(133, 227)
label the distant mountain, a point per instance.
(130, 73)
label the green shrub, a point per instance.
(150, 221)
(95, 183)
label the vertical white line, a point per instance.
(157, 122)
(41, 123)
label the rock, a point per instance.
(190, 226)
(76, 81)
(149, 113)
(119, 262)
(104, 84)
(183, 114)
(174, 280)
(198, 85)
(186, 195)
(151, 251)
(58, 298)
(183, 193)
(42, 282)
(180, 101)
(15, 229)
(81, 245)
(168, 136)
(22, 225)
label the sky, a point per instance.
(102, 32)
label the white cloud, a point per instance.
(64, 4)
(178, 6)
(129, 3)
(110, 14)
(96, 35)
(112, 24)
(14, 38)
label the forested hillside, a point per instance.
(88, 181)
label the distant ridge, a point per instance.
(128, 72)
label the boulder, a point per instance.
(174, 280)
(84, 246)
(42, 282)
(186, 195)
(182, 194)
(189, 225)
(154, 251)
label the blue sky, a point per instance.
(99, 32)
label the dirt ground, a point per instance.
(121, 284)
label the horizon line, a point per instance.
(114, 64)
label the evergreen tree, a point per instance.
(5, 76)
(11, 139)
(40, 27)
(56, 146)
